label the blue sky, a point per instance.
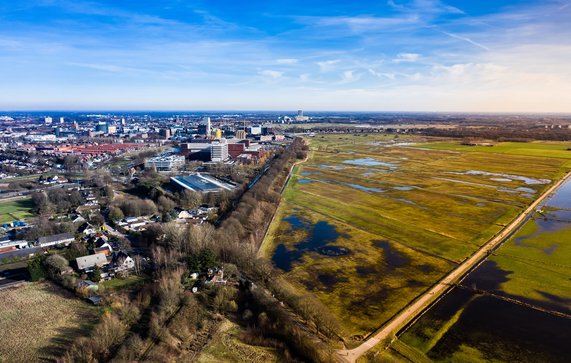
(396, 55)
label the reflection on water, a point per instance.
(562, 198)
(319, 236)
(489, 328)
(369, 162)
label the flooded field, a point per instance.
(367, 224)
(508, 309)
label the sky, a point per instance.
(395, 55)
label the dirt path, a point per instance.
(423, 301)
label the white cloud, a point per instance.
(377, 74)
(287, 61)
(406, 58)
(463, 38)
(326, 66)
(304, 77)
(349, 76)
(362, 24)
(271, 73)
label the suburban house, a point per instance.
(56, 239)
(121, 262)
(87, 229)
(102, 245)
(87, 263)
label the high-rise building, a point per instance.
(102, 127)
(205, 128)
(300, 116)
(240, 134)
(61, 120)
(218, 133)
(165, 133)
(219, 150)
(48, 120)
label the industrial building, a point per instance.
(201, 183)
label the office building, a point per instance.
(102, 127)
(48, 120)
(165, 133)
(255, 130)
(241, 134)
(219, 151)
(205, 128)
(300, 117)
(165, 163)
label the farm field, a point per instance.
(370, 222)
(38, 320)
(15, 210)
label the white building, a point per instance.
(255, 130)
(300, 117)
(48, 120)
(87, 263)
(61, 120)
(205, 128)
(219, 150)
(165, 163)
(56, 239)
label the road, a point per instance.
(425, 300)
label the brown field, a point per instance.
(38, 320)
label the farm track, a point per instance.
(426, 300)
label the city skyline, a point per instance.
(422, 55)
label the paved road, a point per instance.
(425, 300)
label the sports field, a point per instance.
(369, 222)
(15, 210)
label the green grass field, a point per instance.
(541, 149)
(15, 210)
(130, 282)
(539, 264)
(407, 209)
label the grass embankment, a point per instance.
(227, 347)
(423, 203)
(15, 210)
(39, 320)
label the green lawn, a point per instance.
(123, 283)
(14, 210)
(541, 149)
(428, 203)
